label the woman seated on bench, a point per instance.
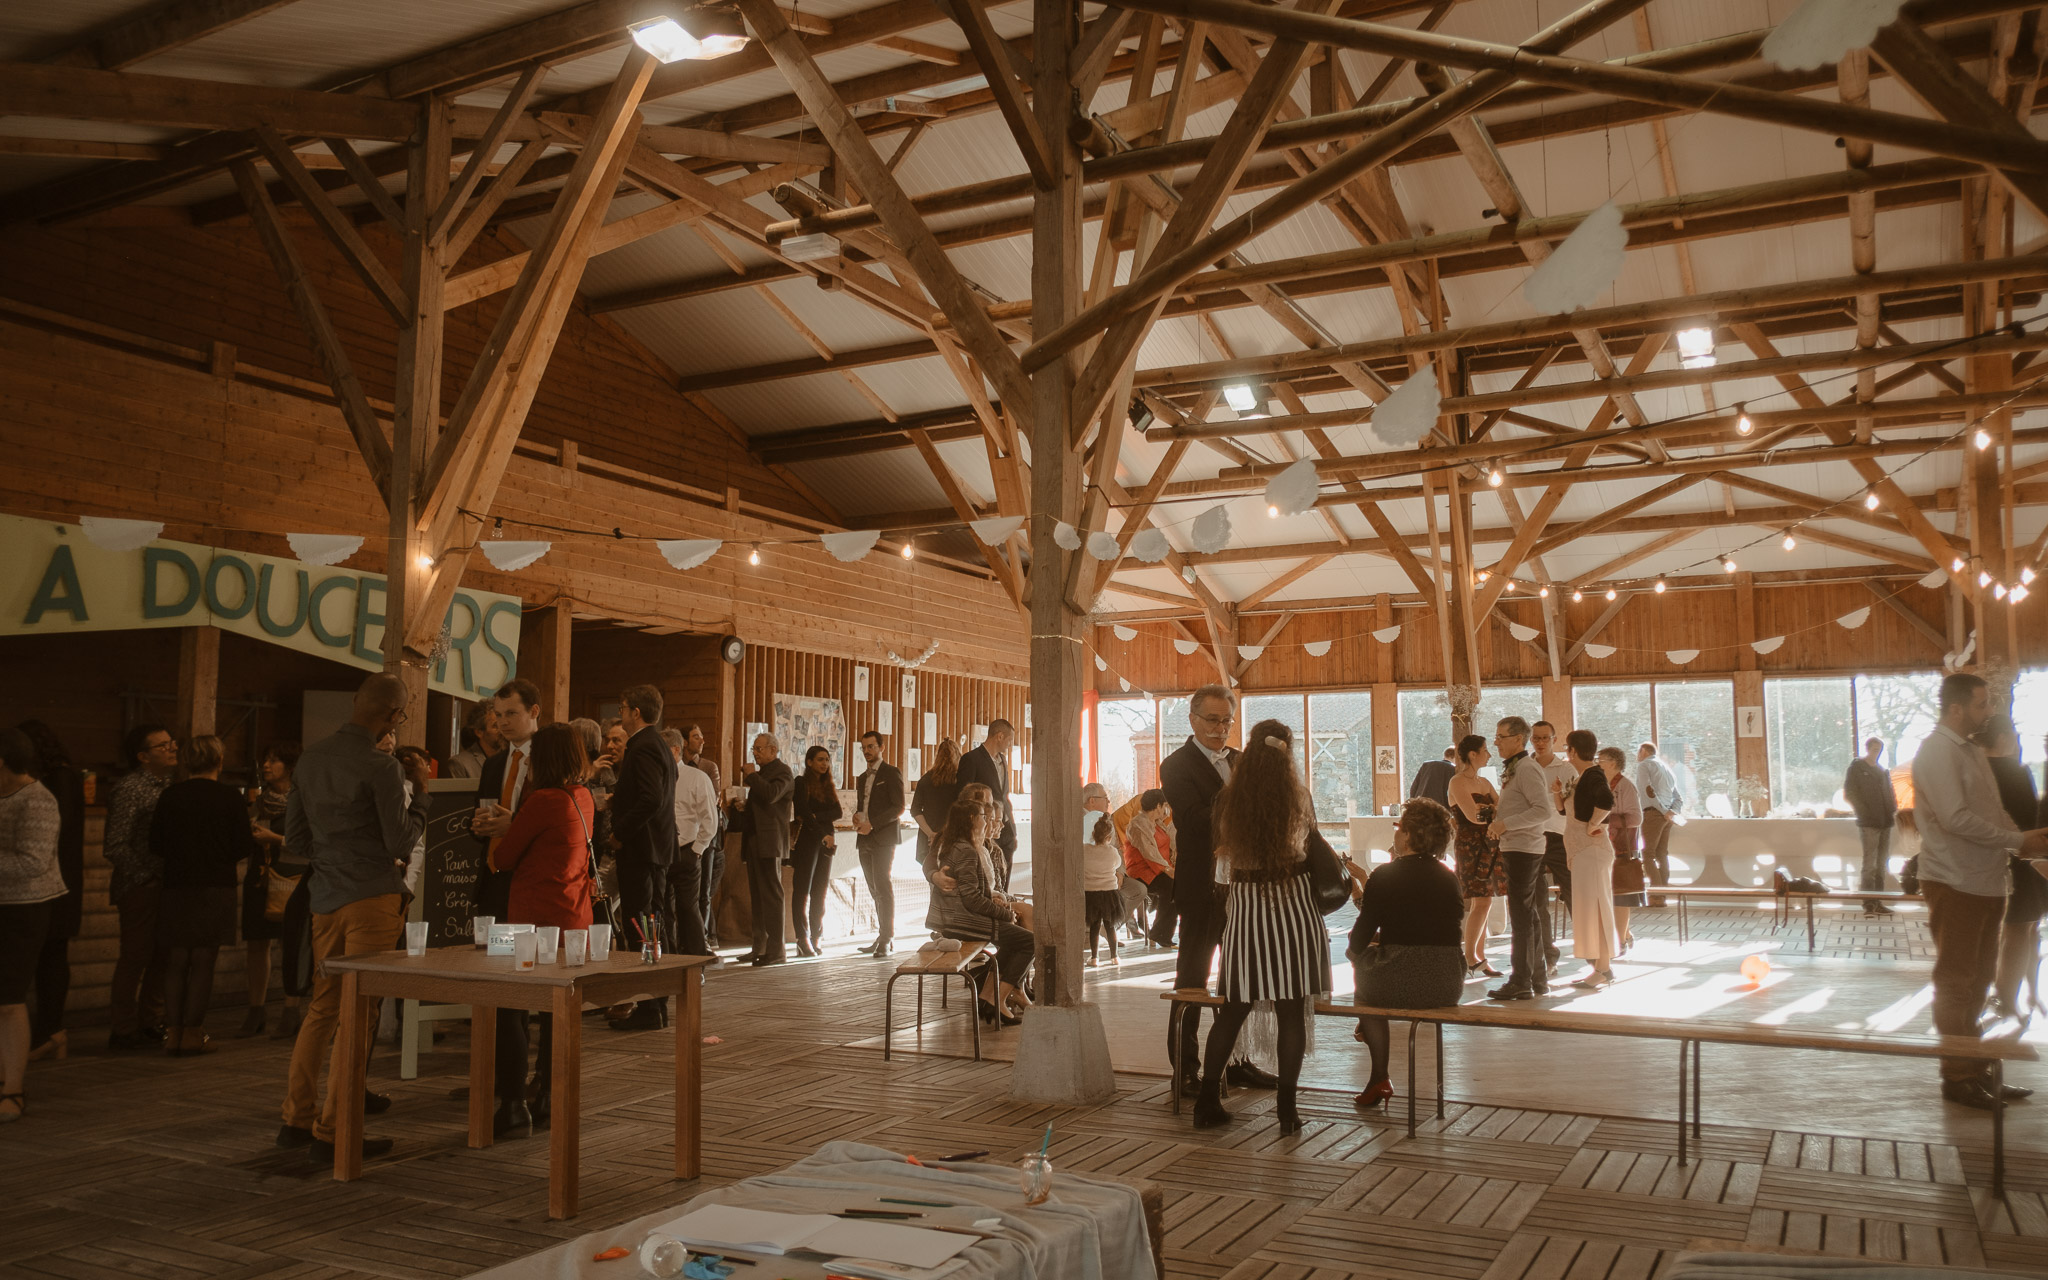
(970, 908)
(1407, 949)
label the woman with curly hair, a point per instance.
(1276, 950)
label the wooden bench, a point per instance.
(943, 965)
(1784, 902)
(1689, 1035)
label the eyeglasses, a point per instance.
(1220, 721)
(159, 746)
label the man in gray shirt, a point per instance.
(348, 811)
(1967, 842)
(1658, 787)
(1521, 818)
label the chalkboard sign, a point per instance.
(454, 861)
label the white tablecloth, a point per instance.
(1090, 1229)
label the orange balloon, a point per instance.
(1756, 968)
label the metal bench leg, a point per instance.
(1439, 1070)
(1683, 1058)
(888, 1007)
(1699, 1081)
(1809, 925)
(920, 1000)
(1411, 1077)
(973, 1013)
(1173, 1017)
(1998, 1129)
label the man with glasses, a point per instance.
(137, 996)
(1521, 818)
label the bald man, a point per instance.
(349, 813)
(763, 820)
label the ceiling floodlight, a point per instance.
(811, 248)
(1696, 348)
(1241, 398)
(671, 41)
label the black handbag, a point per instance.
(1328, 882)
(604, 909)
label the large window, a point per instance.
(1340, 754)
(1900, 709)
(1426, 722)
(1696, 738)
(1126, 734)
(1620, 715)
(2030, 713)
(1811, 725)
(1286, 708)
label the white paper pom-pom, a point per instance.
(1520, 632)
(1149, 546)
(1410, 413)
(508, 556)
(1583, 266)
(996, 530)
(1293, 491)
(1102, 546)
(687, 553)
(851, 546)
(1185, 647)
(1767, 646)
(1819, 32)
(109, 534)
(1855, 618)
(1211, 532)
(1316, 648)
(324, 548)
(1122, 632)
(1599, 650)
(1387, 635)
(1934, 579)
(1681, 656)
(1250, 652)
(1066, 536)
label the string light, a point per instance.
(1998, 591)
(754, 554)
(909, 551)
(2016, 595)
(1543, 592)
(1483, 576)
(1790, 541)
(1743, 426)
(1870, 500)
(1610, 593)
(1511, 584)
(1956, 565)
(1983, 577)
(2027, 576)
(1659, 588)
(1727, 565)
(423, 560)
(1982, 439)
(1494, 475)
(1272, 512)
(1578, 596)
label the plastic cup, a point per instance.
(482, 926)
(550, 936)
(575, 946)
(600, 943)
(415, 937)
(1035, 1175)
(663, 1256)
(525, 947)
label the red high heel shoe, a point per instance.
(1374, 1095)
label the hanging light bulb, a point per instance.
(1983, 577)
(1610, 593)
(2016, 595)
(909, 551)
(1659, 588)
(1790, 541)
(1727, 565)
(423, 560)
(1956, 565)
(1272, 512)
(1578, 596)
(1543, 592)
(1482, 576)
(1743, 426)
(754, 554)
(1494, 475)
(1870, 500)
(1511, 584)
(1982, 439)
(1998, 591)
(2027, 576)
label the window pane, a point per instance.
(1286, 708)
(1902, 710)
(1696, 738)
(2030, 712)
(1130, 756)
(1425, 730)
(1174, 726)
(1340, 761)
(1618, 714)
(1812, 741)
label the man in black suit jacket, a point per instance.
(878, 827)
(516, 711)
(643, 810)
(1433, 779)
(989, 765)
(763, 820)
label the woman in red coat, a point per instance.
(547, 852)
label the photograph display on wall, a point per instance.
(802, 723)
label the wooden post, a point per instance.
(1557, 706)
(1386, 732)
(1752, 755)
(547, 665)
(198, 680)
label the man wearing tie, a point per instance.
(989, 765)
(643, 809)
(503, 783)
(877, 825)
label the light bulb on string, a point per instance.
(1790, 541)
(1998, 591)
(1272, 512)
(754, 554)
(1510, 584)
(1982, 439)
(1743, 426)
(2027, 575)
(1578, 596)
(1727, 565)
(909, 551)
(1483, 575)
(1870, 500)
(1543, 592)
(1494, 475)
(2016, 595)
(1610, 593)
(1956, 565)
(423, 560)
(1983, 577)
(1660, 587)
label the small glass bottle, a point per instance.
(1036, 1177)
(663, 1256)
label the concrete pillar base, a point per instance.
(1063, 1057)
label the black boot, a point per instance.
(1290, 1119)
(1209, 1112)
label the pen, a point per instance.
(928, 1204)
(876, 1213)
(965, 1155)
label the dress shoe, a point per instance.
(1971, 1093)
(323, 1152)
(1209, 1112)
(1246, 1076)
(291, 1137)
(1374, 1095)
(767, 960)
(512, 1120)
(1290, 1119)
(1190, 1086)
(883, 948)
(2015, 1092)
(1511, 992)
(375, 1104)
(252, 1023)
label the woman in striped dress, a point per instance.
(1276, 951)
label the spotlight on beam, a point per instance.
(1240, 398)
(1696, 348)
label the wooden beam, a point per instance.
(1012, 100)
(80, 149)
(963, 507)
(1281, 583)
(1891, 601)
(159, 29)
(1935, 79)
(1592, 633)
(383, 285)
(367, 181)
(1278, 625)
(80, 93)
(485, 152)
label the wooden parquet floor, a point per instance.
(148, 1167)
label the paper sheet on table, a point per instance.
(721, 1226)
(888, 1242)
(874, 1270)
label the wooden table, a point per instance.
(486, 983)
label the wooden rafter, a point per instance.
(354, 249)
(158, 29)
(1950, 92)
(1011, 94)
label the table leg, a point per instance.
(1810, 944)
(353, 1035)
(565, 1103)
(483, 1072)
(1699, 1082)
(1439, 1070)
(1411, 1077)
(1683, 1057)
(690, 1075)
(1998, 1129)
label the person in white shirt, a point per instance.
(1102, 873)
(1657, 786)
(696, 806)
(1967, 841)
(1521, 822)
(1556, 863)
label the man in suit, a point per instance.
(643, 809)
(711, 866)
(878, 826)
(1433, 779)
(1191, 778)
(501, 787)
(989, 765)
(764, 819)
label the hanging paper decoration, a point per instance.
(1066, 536)
(1211, 532)
(508, 556)
(1957, 661)
(1410, 413)
(1582, 267)
(1387, 635)
(1681, 656)
(1123, 684)
(1599, 650)
(1185, 647)
(1767, 646)
(1934, 579)
(1123, 632)
(1819, 32)
(1293, 491)
(109, 534)
(1855, 618)
(1250, 652)
(1100, 665)
(687, 553)
(1149, 546)
(1316, 648)
(851, 546)
(996, 530)
(1103, 546)
(324, 548)
(1520, 632)
(1187, 573)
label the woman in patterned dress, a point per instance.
(1482, 871)
(1276, 950)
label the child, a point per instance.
(1101, 869)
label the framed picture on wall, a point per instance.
(803, 723)
(909, 690)
(1383, 760)
(913, 765)
(931, 728)
(885, 718)
(1749, 722)
(860, 684)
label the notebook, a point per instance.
(719, 1226)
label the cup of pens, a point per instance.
(650, 937)
(1035, 1175)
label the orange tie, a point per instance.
(513, 771)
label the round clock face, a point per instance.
(732, 649)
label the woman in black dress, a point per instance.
(817, 808)
(932, 797)
(200, 830)
(1482, 871)
(1406, 950)
(259, 926)
(62, 779)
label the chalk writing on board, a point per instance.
(454, 862)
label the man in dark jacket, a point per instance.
(1433, 779)
(763, 820)
(1868, 789)
(989, 765)
(643, 809)
(878, 827)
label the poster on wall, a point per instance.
(909, 690)
(931, 728)
(803, 723)
(885, 718)
(1383, 760)
(913, 764)
(860, 684)
(1749, 722)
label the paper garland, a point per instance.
(1123, 632)
(1103, 546)
(687, 553)
(1520, 632)
(852, 545)
(1150, 546)
(1100, 665)
(1410, 413)
(1066, 536)
(1819, 32)
(1387, 635)
(1293, 491)
(1935, 579)
(1854, 618)
(1187, 573)
(1681, 656)
(1599, 650)
(1185, 647)
(1583, 266)
(1250, 652)
(996, 530)
(509, 555)
(1316, 648)
(1211, 532)
(324, 548)
(1124, 684)
(1767, 646)
(110, 534)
